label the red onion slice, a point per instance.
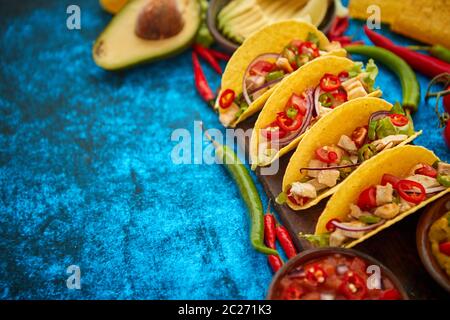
(378, 115)
(330, 168)
(345, 227)
(265, 56)
(317, 103)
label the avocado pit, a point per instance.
(159, 19)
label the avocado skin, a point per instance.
(152, 58)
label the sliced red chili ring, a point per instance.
(389, 178)
(316, 275)
(325, 154)
(288, 124)
(398, 120)
(353, 287)
(261, 67)
(226, 98)
(411, 191)
(343, 75)
(329, 82)
(310, 49)
(339, 98)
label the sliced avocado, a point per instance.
(119, 45)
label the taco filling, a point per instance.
(304, 109)
(265, 71)
(380, 203)
(331, 164)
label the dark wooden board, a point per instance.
(395, 247)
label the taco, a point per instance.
(298, 103)
(263, 61)
(382, 191)
(336, 145)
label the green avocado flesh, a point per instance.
(119, 47)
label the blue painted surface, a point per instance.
(87, 179)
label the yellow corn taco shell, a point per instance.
(308, 76)
(397, 161)
(327, 131)
(271, 39)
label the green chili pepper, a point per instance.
(292, 112)
(326, 99)
(320, 240)
(369, 219)
(249, 193)
(274, 75)
(443, 180)
(437, 51)
(365, 152)
(408, 80)
(312, 37)
(372, 132)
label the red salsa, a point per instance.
(335, 277)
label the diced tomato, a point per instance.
(427, 170)
(293, 292)
(358, 265)
(444, 248)
(398, 120)
(296, 44)
(367, 199)
(261, 67)
(343, 75)
(411, 191)
(297, 102)
(329, 82)
(327, 155)
(312, 296)
(390, 294)
(389, 178)
(353, 287)
(330, 226)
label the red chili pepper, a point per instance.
(353, 287)
(389, 178)
(329, 82)
(286, 242)
(425, 64)
(444, 248)
(226, 98)
(200, 80)
(427, 170)
(411, 191)
(269, 229)
(206, 54)
(398, 120)
(338, 27)
(316, 275)
(275, 262)
(288, 124)
(219, 55)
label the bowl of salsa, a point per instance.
(335, 274)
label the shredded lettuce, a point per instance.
(312, 37)
(321, 240)
(372, 72)
(356, 69)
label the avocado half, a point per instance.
(119, 47)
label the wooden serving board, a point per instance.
(395, 247)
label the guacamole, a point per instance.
(439, 236)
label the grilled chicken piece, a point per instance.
(355, 211)
(315, 164)
(387, 211)
(229, 115)
(354, 88)
(443, 168)
(328, 177)
(317, 185)
(394, 139)
(426, 181)
(405, 205)
(284, 64)
(304, 190)
(384, 194)
(346, 143)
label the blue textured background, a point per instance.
(86, 176)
